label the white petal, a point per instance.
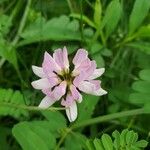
(41, 84)
(86, 87)
(72, 112)
(80, 98)
(99, 92)
(97, 73)
(38, 71)
(46, 102)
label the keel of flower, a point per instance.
(60, 82)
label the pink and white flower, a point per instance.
(60, 82)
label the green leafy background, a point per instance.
(116, 34)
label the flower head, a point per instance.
(60, 82)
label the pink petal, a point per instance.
(86, 87)
(92, 87)
(61, 58)
(75, 93)
(91, 69)
(85, 71)
(47, 92)
(84, 74)
(49, 65)
(65, 57)
(59, 90)
(82, 67)
(38, 71)
(46, 102)
(79, 78)
(96, 84)
(72, 112)
(97, 73)
(41, 84)
(53, 80)
(80, 56)
(68, 102)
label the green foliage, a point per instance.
(57, 29)
(88, 105)
(116, 34)
(97, 13)
(136, 16)
(120, 141)
(34, 136)
(8, 52)
(5, 23)
(141, 96)
(56, 121)
(142, 46)
(8, 97)
(75, 141)
(111, 19)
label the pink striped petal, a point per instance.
(59, 90)
(49, 65)
(61, 58)
(46, 102)
(97, 73)
(78, 79)
(75, 93)
(38, 71)
(41, 84)
(68, 102)
(71, 112)
(65, 57)
(80, 56)
(96, 84)
(53, 80)
(47, 92)
(86, 87)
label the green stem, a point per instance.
(30, 108)
(68, 130)
(22, 23)
(99, 120)
(70, 6)
(21, 26)
(108, 117)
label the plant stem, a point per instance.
(21, 26)
(30, 108)
(108, 117)
(70, 6)
(68, 130)
(22, 23)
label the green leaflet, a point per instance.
(8, 96)
(86, 108)
(125, 140)
(141, 96)
(97, 13)
(57, 29)
(34, 136)
(142, 46)
(8, 52)
(111, 19)
(75, 141)
(139, 12)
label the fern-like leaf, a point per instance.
(9, 99)
(126, 140)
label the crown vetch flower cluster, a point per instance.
(60, 82)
